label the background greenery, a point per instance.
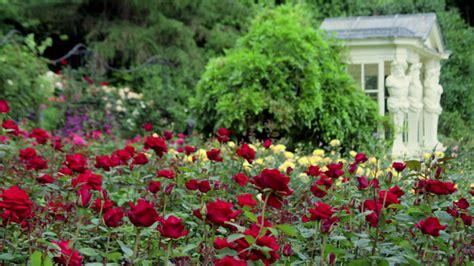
(180, 37)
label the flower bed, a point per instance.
(160, 200)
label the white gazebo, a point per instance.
(396, 60)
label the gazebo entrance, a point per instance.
(396, 61)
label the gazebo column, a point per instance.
(415, 100)
(397, 104)
(431, 106)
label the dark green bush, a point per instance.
(285, 78)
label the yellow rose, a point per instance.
(247, 166)
(231, 144)
(360, 171)
(304, 161)
(439, 154)
(201, 154)
(323, 169)
(253, 147)
(372, 160)
(335, 143)
(259, 161)
(278, 148)
(426, 155)
(285, 166)
(189, 159)
(172, 151)
(304, 177)
(318, 152)
(327, 160)
(353, 153)
(315, 159)
(289, 155)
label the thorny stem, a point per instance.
(323, 246)
(263, 215)
(137, 244)
(168, 252)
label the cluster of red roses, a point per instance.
(269, 188)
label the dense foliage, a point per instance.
(284, 79)
(23, 75)
(160, 199)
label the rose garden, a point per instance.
(282, 163)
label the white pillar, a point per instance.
(397, 84)
(431, 106)
(415, 100)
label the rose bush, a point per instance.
(174, 199)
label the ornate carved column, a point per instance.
(415, 100)
(431, 106)
(397, 104)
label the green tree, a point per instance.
(285, 79)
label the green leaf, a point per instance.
(114, 256)
(90, 252)
(287, 229)
(35, 258)
(362, 243)
(6, 256)
(413, 165)
(234, 237)
(189, 247)
(127, 252)
(251, 216)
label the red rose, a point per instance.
(192, 184)
(313, 170)
(113, 217)
(219, 212)
(439, 187)
(204, 186)
(334, 170)
(214, 155)
(363, 182)
(452, 211)
(326, 224)
(140, 159)
(223, 135)
(267, 143)
(166, 174)
(45, 179)
(148, 126)
(389, 198)
(68, 256)
(398, 166)
(16, 205)
(4, 107)
(241, 179)
(76, 162)
(172, 227)
(154, 186)
(246, 200)
(167, 135)
(277, 182)
(360, 158)
(157, 144)
(89, 180)
(320, 187)
(103, 162)
(466, 219)
(246, 152)
(37, 163)
(462, 203)
(321, 211)
(102, 205)
(40, 135)
(64, 171)
(189, 149)
(11, 127)
(287, 250)
(375, 207)
(123, 155)
(430, 226)
(229, 261)
(397, 191)
(85, 196)
(27, 154)
(220, 243)
(143, 214)
(169, 189)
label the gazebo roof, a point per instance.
(412, 25)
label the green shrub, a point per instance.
(23, 80)
(284, 78)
